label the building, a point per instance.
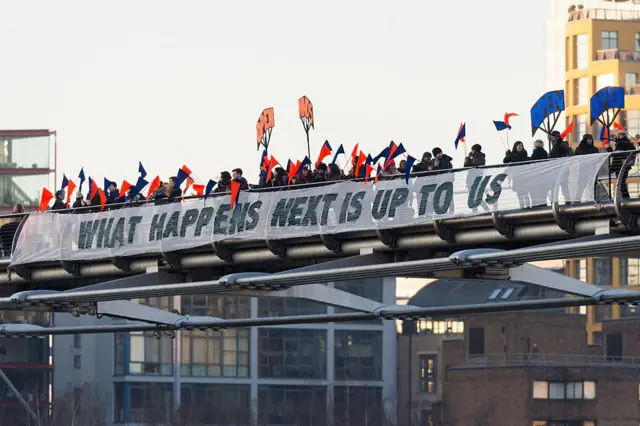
(533, 368)
(602, 48)
(27, 164)
(310, 374)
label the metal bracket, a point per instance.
(331, 242)
(21, 270)
(222, 251)
(561, 220)
(121, 263)
(443, 232)
(501, 225)
(71, 267)
(628, 219)
(172, 259)
(387, 237)
(277, 248)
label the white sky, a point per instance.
(173, 83)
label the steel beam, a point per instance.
(549, 279)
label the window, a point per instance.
(630, 82)
(429, 373)
(369, 289)
(77, 362)
(614, 346)
(604, 272)
(76, 341)
(215, 404)
(574, 390)
(292, 405)
(494, 294)
(580, 126)
(292, 353)
(581, 94)
(447, 327)
(476, 341)
(142, 402)
(604, 80)
(556, 390)
(632, 121)
(226, 307)
(589, 390)
(582, 51)
(602, 312)
(540, 390)
(148, 355)
(354, 405)
(358, 355)
(609, 40)
(215, 353)
(638, 42)
(507, 293)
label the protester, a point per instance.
(224, 183)
(517, 154)
(335, 173)
(237, 176)
(475, 157)
(559, 148)
(402, 166)
(441, 161)
(586, 146)
(58, 204)
(617, 161)
(320, 173)
(539, 153)
(113, 193)
(425, 165)
(79, 201)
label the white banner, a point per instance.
(330, 209)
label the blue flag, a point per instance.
(82, 178)
(501, 125)
(338, 152)
(407, 171)
(210, 185)
(141, 170)
(462, 133)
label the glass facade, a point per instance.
(215, 353)
(292, 405)
(358, 355)
(214, 404)
(142, 402)
(292, 353)
(289, 306)
(369, 289)
(632, 121)
(358, 406)
(582, 51)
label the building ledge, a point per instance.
(550, 360)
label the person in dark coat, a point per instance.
(237, 176)
(539, 153)
(58, 204)
(559, 148)
(335, 173)
(425, 165)
(622, 144)
(441, 161)
(476, 157)
(224, 183)
(518, 155)
(113, 193)
(586, 146)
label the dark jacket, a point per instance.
(443, 164)
(421, 167)
(539, 154)
(560, 150)
(112, 197)
(622, 144)
(514, 156)
(58, 205)
(585, 149)
(244, 185)
(479, 159)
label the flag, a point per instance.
(199, 189)
(619, 127)
(604, 136)
(45, 199)
(141, 170)
(507, 116)
(367, 172)
(378, 173)
(107, 184)
(306, 162)
(501, 125)
(235, 193)
(462, 133)
(354, 152)
(212, 183)
(71, 187)
(293, 171)
(339, 151)
(272, 163)
(264, 161)
(567, 131)
(65, 183)
(325, 151)
(81, 178)
(394, 152)
(103, 198)
(155, 184)
(181, 176)
(93, 189)
(383, 154)
(140, 185)
(123, 189)
(407, 171)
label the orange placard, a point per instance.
(305, 109)
(265, 122)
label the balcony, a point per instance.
(537, 359)
(617, 54)
(604, 15)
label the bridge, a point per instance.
(277, 243)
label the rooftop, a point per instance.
(605, 14)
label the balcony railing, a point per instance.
(617, 54)
(604, 14)
(522, 359)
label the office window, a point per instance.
(582, 51)
(215, 353)
(77, 362)
(609, 40)
(292, 353)
(150, 356)
(556, 390)
(288, 306)
(630, 82)
(604, 271)
(429, 373)
(226, 307)
(446, 327)
(148, 402)
(214, 404)
(580, 126)
(581, 91)
(540, 390)
(476, 341)
(574, 390)
(292, 405)
(605, 80)
(539, 423)
(358, 355)
(602, 312)
(76, 341)
(354, 405)
(589, 390)
(632, 121)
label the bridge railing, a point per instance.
(532, 358)
(605, 185)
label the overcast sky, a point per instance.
(173, 83)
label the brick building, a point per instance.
(507, 369)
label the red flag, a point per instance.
(199, 189)
(70, 188)
(235, 193)
(618, 126)
(324, 153)
(361, 159)
(124, 188)
(189, 183)
(392, 150)
(103, 198)
(45, 199)
(567, 131)
(508, 115)
(378, 172)
(155, 184)
(367, 173)
(272, 163)
(93, 190)
(293, 170)
(186, 170)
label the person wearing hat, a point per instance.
(586, 146)
(622, 144)
(425, 165)
(476, 157)
(58, 204)
(539, 153)
(441, 161)
(559, 148)
(79, 201)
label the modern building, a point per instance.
(602, 48)
(311, 374)
(27, 164)
(532, 368)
